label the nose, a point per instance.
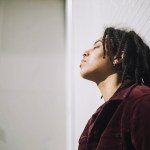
(86, 53)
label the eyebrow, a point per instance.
(98, 41)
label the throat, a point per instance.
(109, 87)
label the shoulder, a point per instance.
(140, 92)
(138, 101)
(138, 116)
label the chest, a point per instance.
(109, 130)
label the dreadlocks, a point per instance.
(136, 62)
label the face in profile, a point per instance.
(94, 66)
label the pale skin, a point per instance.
(100, 70)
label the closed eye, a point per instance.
(96, 46)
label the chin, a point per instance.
(86, 75)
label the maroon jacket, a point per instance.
(122, 123)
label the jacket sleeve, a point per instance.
(140, 123)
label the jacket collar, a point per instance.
(124, 91)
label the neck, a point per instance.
(109, 86)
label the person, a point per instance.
(119, 63)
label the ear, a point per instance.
(116, 60)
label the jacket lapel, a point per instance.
(103, 119)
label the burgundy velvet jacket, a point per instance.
(122, 123)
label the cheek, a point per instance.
(96, 61)
(96, 64)
(100, 64)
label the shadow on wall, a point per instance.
(2, 140)
(2, 136)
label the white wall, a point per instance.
(90, 17)
(32, 67)
(32, 75)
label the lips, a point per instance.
(82, 62)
